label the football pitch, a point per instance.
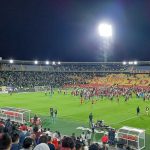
(70, 110)
(71, 114)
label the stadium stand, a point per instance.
(29, 75)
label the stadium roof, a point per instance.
(6, 61)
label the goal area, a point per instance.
(15, 114)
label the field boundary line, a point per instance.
(124, 120)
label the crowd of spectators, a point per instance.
(69, 67)
(23, 79)
(14, 136)
(31, 79)
(56, 75)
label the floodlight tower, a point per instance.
(105, 32)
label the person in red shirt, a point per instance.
(55, 142)
(23, 127)
(104, 139)
(2, 124)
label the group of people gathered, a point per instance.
(15, 136)
(111, 92)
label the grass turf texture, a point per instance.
(72, 114)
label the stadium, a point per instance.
(111, 91)
(75, 75)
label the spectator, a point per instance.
(78, 145)
(15, 141)
(50, 144)
(1, 124)
(94, 146)
(42, 146)
(55, 142)
(5, 141)
(68, 143)
(83, 137)
(35, 118)
(111, 137)
(8, 126)
(104, 139)
(48, 132)
(43, 139)
(23, 127)
(73, 137)
(88, 137)
(37, 134)
(27, 144)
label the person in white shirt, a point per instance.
(88, 137)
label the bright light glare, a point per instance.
(124, 63)
(59, 63)
(135, 62)
(53, 63)
(105, 30)
(11, 61)
(35, 62)
(130, 63)
(47, 62)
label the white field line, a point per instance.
(123, 120)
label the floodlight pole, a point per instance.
(105, 45)
(105, 48)
(105, 56)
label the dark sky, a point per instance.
(66, 30)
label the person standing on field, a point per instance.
(90, 119)
(147, 110)
(138, 110)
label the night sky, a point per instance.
(66, 30)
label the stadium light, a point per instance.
(130, 62)
(35, 62)
(124, 62)
(135, 62)
(11, 61)
(47, 62)
(105, 30)
(59, 63)
(53, 63)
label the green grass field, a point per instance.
(71, 114)
(70, 109)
